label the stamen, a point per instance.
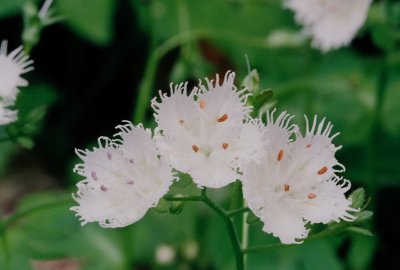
(195, 148)
(181, 122)
(222, 118)
(308, 145)
(286, 187)
(130, 182)
(322, 170)
(103, 188)
(94, 176)
(311, 196)
(280, 155)
(225, 145)
(109, 156)
(131, 161)
(202, 104)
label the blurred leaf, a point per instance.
(25, 142)
(91, 19)
(176, 208)
(361, 252)
(10, 7)
(384, 37)
(320, 255)
(260, 99)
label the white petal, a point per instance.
(331, 23)
(329, 204)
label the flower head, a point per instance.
(206, 132)
(124, 177)
(331, 23)
(296, 181)
(7, 115)
(11, 67)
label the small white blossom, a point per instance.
(7, 115)
(207, 133)
(296, 182)
(12, 66)
(331, 23)
(124, 177)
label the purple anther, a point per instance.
(130, 182)
(94, 176)
(103, 188)
(109, 156)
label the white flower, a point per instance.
(11, 67)
(206, 133)
(331, 23)
(296, 182)
(7, 115)
(124, 177)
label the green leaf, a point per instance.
(26, 142)
(363, 216)
(10, 7)
(384, 37)
(261, 98)
(91, 19)
(357, 198)
(359, 230)
(176, 208)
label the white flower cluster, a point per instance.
(289, 179)
(330, 23)
(12, 66)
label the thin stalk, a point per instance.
(24, 213)
(237, 211)
(225, 217)
(245, 235)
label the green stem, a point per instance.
(231, 231)
(238, 211)
(225, 217)
(7, 255)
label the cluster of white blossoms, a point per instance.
(12, 66)
(288, 179)
(330, 23)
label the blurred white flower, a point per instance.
(11, 67)
(207, 133)
(7, 115)
(165, 254)
(296, 182)
(124, 177)
(331, 23)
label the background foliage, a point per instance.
(105, 60)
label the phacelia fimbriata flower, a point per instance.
(296, 180)
(124, 177)
(12, 66)
(207, 132)
(330, 23)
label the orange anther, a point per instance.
(195, 148)
(222, 118)
(311, 196)
(202, 104)
(181, 122)
(322, 170)
(308, 145)
(280, 155)
(224, 146)
(286, 187)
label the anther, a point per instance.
(222, 118)
(322, 170)
(202, 104)
(130, 182)
(103, 188)
(286, 187)
(308, 145)
(280, 155)
(225, 145)
(181, 122)
(94, 176)
(311, 196)
(195, 148)
(109, 156)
